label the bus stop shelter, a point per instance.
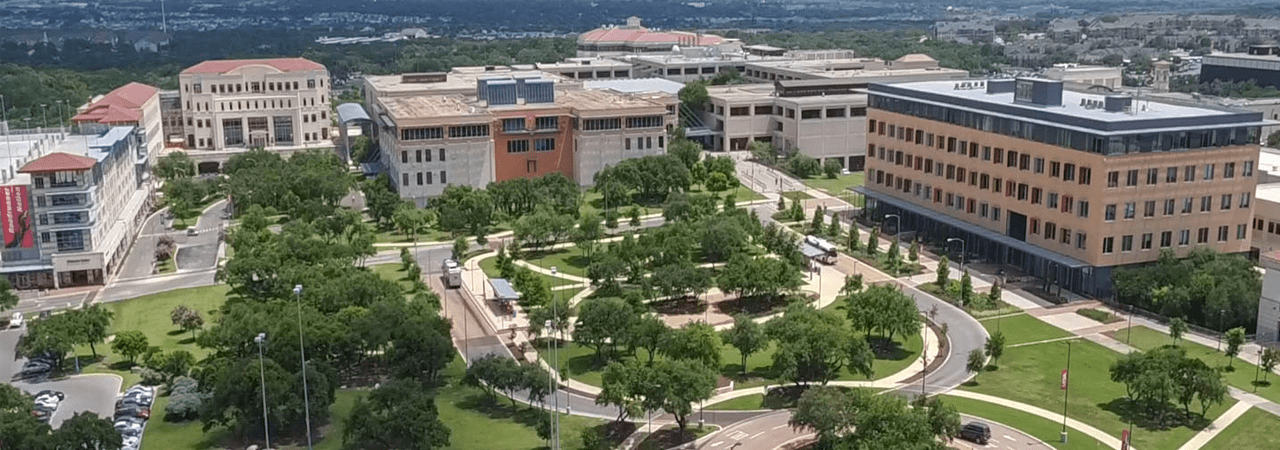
(503, 292)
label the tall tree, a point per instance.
(130, 344)
(995, 346)
(1268, 360)
(944, 272)
(1177, 327)
(604, 322)
(695, 341)
(747, 336)
(175, 165)
(1234, 340)
(399, 414)
(977, 362)
(682, 383)
(650, 333)
(8, 299)
(86, 431)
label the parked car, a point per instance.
(128, 428)
(976, 432)
(192, 232)
(16, 320)
(151, 390)
(34, 369)
(132, 411)
(130, 442)
(50, 393)
(42, 413)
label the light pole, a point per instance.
(262, 373)
(4, 115)
(1066, 391)
(60, 119)
(302, 352)
(1129, 337)
(962, 252)
(44, 114)
(555, 355)
(1221, 318)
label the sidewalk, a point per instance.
(1207, 434)
(1103, 437)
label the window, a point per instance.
(1226, 202)
(442, 154)
(1055, 169)
(1241, 231)
(1066, 204)
(831, 112)
(531, 166)
(404, 178)
(1146, 241)
(1108, 245)
(1086, 176)
(1050, 230)
(1012, 160)
(765, 110)
(1206, 203)
(1184, 237)
(1149, 209)
(1035, 196)
(1202, 235)
(518, 146)
(1035, 226)
(1228, 171)
(1131, 178)
(1168, 207)
(1053, 198)
(404, 157)
(1109, 213)
(999, 156)
(1069, 173)
(70, 241)
(1222, 233)
(1208, 172)
(1083, 209)
(515, 125)
(421, 134)
(1130, 210)
(1166, 239)
(1038, 165)
(311, 84)
(1245, 198)
(737, 111)
(1024, 162)
(1066, 236)
(1171, 175)
(419, 178)
(1186, 204)
(443, 179)
(1126, 243)
(1247, 169)
(1113, 179)
(419, 153)
(602, 124)
(464, 131)
(1189, 174)
(1152, 176)
(546, 123)
(544, 145)
(1080, 240)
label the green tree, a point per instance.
(747, 336)
(621, 385)
(831, 168)
(130, 344)
(944, 421)
(894, 258)
(85, 430)
(459, 248)
(1234, 339)
(650, 333)
(175, 165)
(380, 201)
(360, 149)
(399, 414)
(1269, 358)
(802, 166)
(633, 216)
(694, 95)
(797, 210)
(695, 341)
(994, 293)
(687, 151)
(827, 411)
(410, 220)
(854, 240)
(944, 272)
(995, 347)
(681, 384)
(977, 361)
(966, 288)
(812, 346)
(763, 152)
(8, 299)
(913, 254)
(782, 203)
(1177, 327)
(604, 322)
(186, 318)
(873, 241)
(815, 225)
(833, 229)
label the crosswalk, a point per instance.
(199, 231)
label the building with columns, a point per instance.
(247, 103)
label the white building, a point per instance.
(1269, 304)
(249, 103)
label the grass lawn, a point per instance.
(581, 363)
(835, 186)
(490, 267)
(745, 403)
(979, 310)
(1023, 328)
(569, 260)
(150, 315)
(162, 435)
(1038, 427)
(1032, 375)
(394, 237)
(796, 195)
(1145, 338)
(166, 266)
(394, 272)
(1252, 431)
(593, 201)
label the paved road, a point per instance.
(141, 258)
(94, 393)
(1002, 438)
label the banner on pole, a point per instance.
(1064, 379)
(1124, 440)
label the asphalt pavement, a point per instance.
(94, 393)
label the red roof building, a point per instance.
(123, 105)
(230, 65)
(59, 162)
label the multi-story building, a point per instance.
(246, 103)
(588, 68)
(635, 38)
(506, 127)
(1062, 185)
(71, 214)
(913, 67)
(1084, 76)
(134, 104)
(1260, 64)
(1266, 219)
(1269, 303)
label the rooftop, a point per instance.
(121, 105)
(428, 106)
(57, 162)
(458, 81)
(1144, 114)
(230, 65)
(636, 85)
(1268, 192)
(641, 35)
(1273, 58)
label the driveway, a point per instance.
(94, 393)
(201, 251)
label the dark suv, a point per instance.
(977, 432)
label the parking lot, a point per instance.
(88, 392)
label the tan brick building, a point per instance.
(244, 103)
(1062, 185)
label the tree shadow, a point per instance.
(122, 365)
(668, 438)
(1155, 417)
(1261, 383)
(187, 341)
(679, 306)
(991, 368)
(783, 396)
(174, 332)
(734, 372)
(756, 305)
(887, 349)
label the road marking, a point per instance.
(1010, 438)
(756, 435)
(781, 426)
(737, 435)
(716, 443)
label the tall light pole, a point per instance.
(44, 114)
(262, 373)
(61, 121)
(302, 353)
(4, 115)
(555, 355)
(962, 250)
(1066, 391)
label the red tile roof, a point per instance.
(228, 65)
(121, 105)
(634, 35)
(57, 162)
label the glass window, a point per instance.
(1110, 213)
(1108, 244)
(1126, 243)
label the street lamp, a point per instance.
(897, 227)
(962, 252)
(44, 113)
(1221, 318)
(61, 121)
(302, 352)
(262, 373)
(555, 356)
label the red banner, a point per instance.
(15, 213)
(1124, 440)
(1064, 379)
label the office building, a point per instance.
(633, 37)
(1061, 185)
(504, 126)
(70, 214)
(913, 67)
(1261, 63)
(588, 68)
(701, 63)
(248, 103)
(1266, 218)
(134, 104)
(1269, 304)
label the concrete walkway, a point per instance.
(1207, 434)
(1103, 437)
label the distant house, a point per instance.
(414, 33)
(147, 41)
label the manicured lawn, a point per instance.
(1032, 374)
(394, 237)
(569, 260)
(490, 267)
(162, 435)
(394, 272)
(1255, 430)
(983, 309)
(1023, 328)
(150, 315)
(1038, 427)
(593, 201)
(835, 186)
(1145, 338)
(582, 364)
(796, 195)
(745, 403)
(166, 266)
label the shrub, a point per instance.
(151, 377)
(1097, 314)
(184, 400)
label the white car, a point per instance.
(127, 428)
(130, 442)
(16, 320)
(149, 390)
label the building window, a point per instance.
(1226, 202)
(428, 177)
(1109, 213)
(1126, 243)
(1208, 172)
(602, 124)
(404, 157)
(1146, 241)
(644, 122)
(546, 123)
(1189, 174)
(1149, 209)
(515, 125)
(1131, 178)
(1171, 175)
(544, 145)
(421, 134)
(1038, 166)
(1113, 179)
(1130, 210)
(1050, 230)
(1166, 239)
(1053, 198)
(465, 131)
(518, 146)
(1080, 240)
(1241, 231)
(443, 178)
(1069, 173)
(1184, 237)
(1245, 199)
(1222, 233)
(404, 179)
(1108, 245)
(1247, 169)
(1202, 235)
(531, 166)
(1228, 171)
(1083, 209)
(419, 154)
(442, 155)
(1187, 204)
(311, 84)
(1152, 176)
(419, 178)
(1206, 203)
